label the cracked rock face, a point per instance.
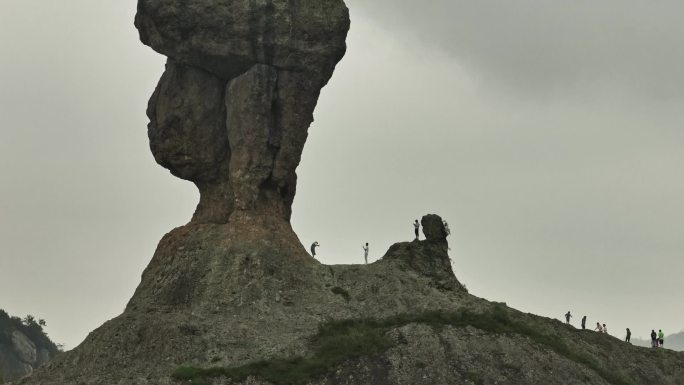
(232, 110)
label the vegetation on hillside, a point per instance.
(338, 341)
(29, 326)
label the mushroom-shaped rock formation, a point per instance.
(233, 297)
(232, 110)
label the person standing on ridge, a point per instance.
(661, 338)
(598, 328)
(567, 317)
(313, 248)
(654, 339)
(416, 226)
(628, 336)
(365, 253)
(584, 322)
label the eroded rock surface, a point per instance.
(232, 110)
(227, 37)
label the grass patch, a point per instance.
(338, 341)
(340, 291)
(335, 343)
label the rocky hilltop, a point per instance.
(233, 296)
(24, 346)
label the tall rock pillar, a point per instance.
(232, 110)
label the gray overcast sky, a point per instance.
(548, 133)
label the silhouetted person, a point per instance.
(365, 253)
(598, 328)
(661, 338)
(567, 317)
(654, 339)
(416, 226)
(628, 336)
(605, 328)
(313, 248)
(584, 322)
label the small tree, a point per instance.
(29, 320)
(42, 322)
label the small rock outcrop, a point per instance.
(433, 228)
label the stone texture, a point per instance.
(433, 228)
(253, 135)
(228, 37)
(187, 128)
(24, 348)
(232, 110)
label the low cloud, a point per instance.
(549, 47)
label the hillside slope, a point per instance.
(214, 312)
